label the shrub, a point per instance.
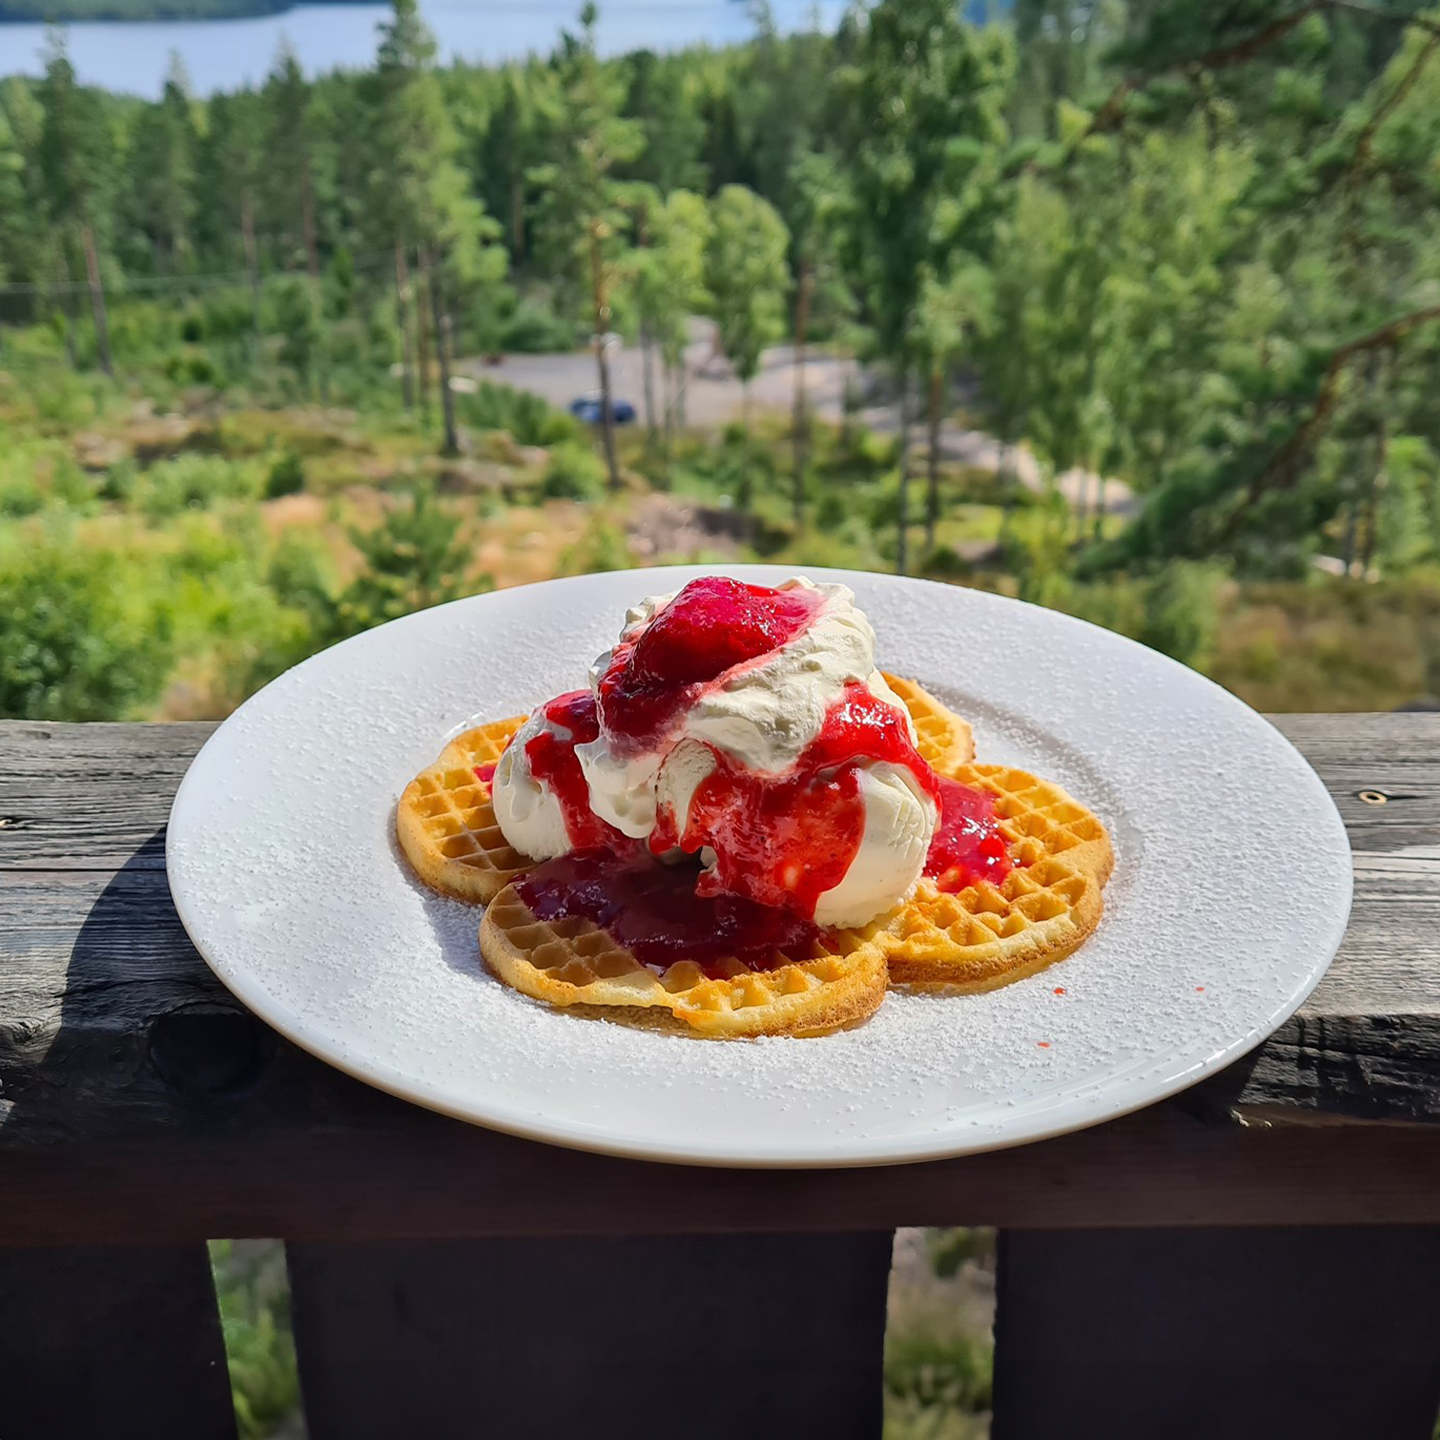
(286, 475)
(529, 419)
(535, 328)
(192, 482)
(79, 645)
(575, 472)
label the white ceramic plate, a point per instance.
(1228, 901)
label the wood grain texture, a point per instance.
(119, 1344)
(1196, 1335)
(120, 1057)
(708, 1337)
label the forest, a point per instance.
(253, 399)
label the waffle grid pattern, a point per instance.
(984, 936)
(573, 962)
(446, 824)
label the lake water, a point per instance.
(223, 54)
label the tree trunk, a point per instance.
(932, 459)
(422, 348)
(97, 300)
(1098, 530)
(745, 410)
(801, 419)
(1375, 484)
(442, 352)
(667, 375)
(307, 218)
(67, 302)
(902, 510)
(517, 218)
(1007, 495)
(602, 326)
(402, 313)
(1082, 501)
(252, 261)
(647, 350)
(1347, 543)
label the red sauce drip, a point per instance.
(553, 759)
(485, 773)
(968, 846)
(709, 628)
(655, 912)
(784, 840)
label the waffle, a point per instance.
(446, 824)
(571, 962)
(983, 937)
(945, 740)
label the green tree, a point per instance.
(413, 559)
(297, 318)
(430, 204)
(952, 307)
(581, 207)
(669, 287)
(73, 152)
(921, 100)
(290, 163)
(162, 172)
(229, 177)
(820, 206)
(747, 278)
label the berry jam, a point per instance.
(709, 628)
(653, 910)
(968, 846)
(784, 840)
(553, 759)
(485, 773)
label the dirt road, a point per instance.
(714, 397)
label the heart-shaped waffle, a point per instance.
(984, 936)
(446, 824)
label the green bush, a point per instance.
(286, 475)
(259, 1344)
(79, 643)
(529, 419)
(575, 472)
(193, 481)
(535, 328)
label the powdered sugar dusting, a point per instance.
(1233, 875)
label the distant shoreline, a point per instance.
(140, 11)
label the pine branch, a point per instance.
(1111, 112)
(1284, 465)
(1383, 110)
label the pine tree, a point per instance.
(747, 278)
(581, 207)
(430, 206)
(921, 102)
(73, 151)
(162, 173)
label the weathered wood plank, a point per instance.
(119, 1051)
(123, 1344)
(1198, 1334)
(389, 1170)
(87, 797)
(705, 1336)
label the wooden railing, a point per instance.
(1258, 1257)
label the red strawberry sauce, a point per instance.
(781, 840)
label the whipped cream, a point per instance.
(762, 715)
(528, 811)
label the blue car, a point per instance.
(588, 408)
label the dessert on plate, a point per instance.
(741, 826)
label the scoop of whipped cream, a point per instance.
(758, 716)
